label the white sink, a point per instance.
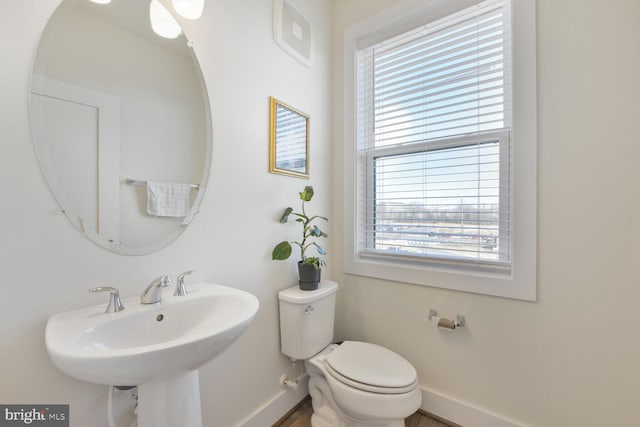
(149, 342)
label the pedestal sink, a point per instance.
(157, 347)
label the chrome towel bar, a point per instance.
(130, 181)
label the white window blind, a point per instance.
(433, 132)
(291, 134)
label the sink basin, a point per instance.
(149, 342)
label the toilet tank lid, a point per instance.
(296, 295)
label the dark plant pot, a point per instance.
(309, 276)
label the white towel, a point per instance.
(195, 208)
(168, 199)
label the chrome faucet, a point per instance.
(153, 293)
(180, 289)
(115, 304)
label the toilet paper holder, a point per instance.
(443, 323)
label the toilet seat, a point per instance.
(372, 368)
(357, 400)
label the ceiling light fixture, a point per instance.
(190, 9)
(162, 22)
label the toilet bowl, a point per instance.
(381, 390)
(354, 384)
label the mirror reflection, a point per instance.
(120, 124)
(289, 140)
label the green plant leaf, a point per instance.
(315, 261)
(285, 215)
(315, 231)
(320, 249)
(281, 251)
(307, 193)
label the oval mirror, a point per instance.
(120, 124)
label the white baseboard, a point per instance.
(272, 410)
(461, 413)
(433, 402)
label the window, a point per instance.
(433, 144)
(433, 112)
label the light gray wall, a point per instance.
(47, 266)
(571, 358)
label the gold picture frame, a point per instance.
(288, 140)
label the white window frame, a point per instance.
(519, 279)
(499, 136)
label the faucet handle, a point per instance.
(165, 280)
(153, 292)
(180, 289)
(115, 304)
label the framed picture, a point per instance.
(292, 31)
(288, 140)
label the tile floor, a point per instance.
(301, 417)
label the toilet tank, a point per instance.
(306, 319)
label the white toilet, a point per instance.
(354, 384)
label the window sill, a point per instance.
(491, 280)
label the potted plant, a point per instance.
(309, 267)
